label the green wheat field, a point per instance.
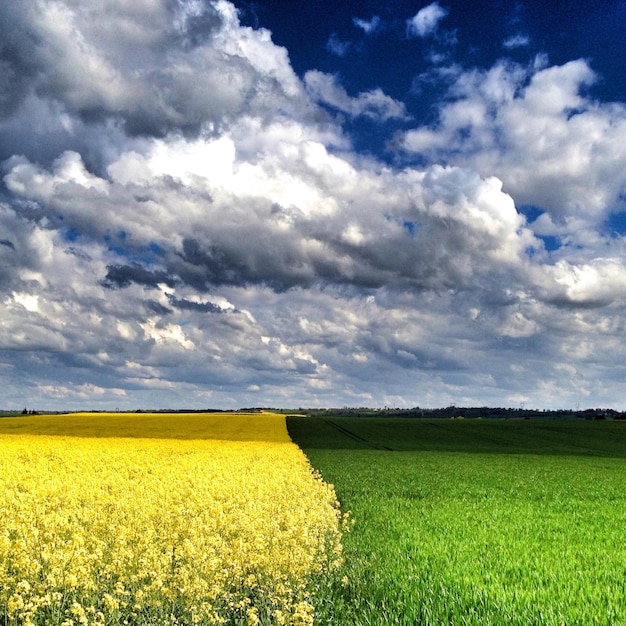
(485, 522)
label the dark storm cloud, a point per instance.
(18, 66)
(218, 265)
(124, 275)
(244, 262)
(198, 307)
(157, 307)
(277, 264)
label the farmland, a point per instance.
(160, 519)
(475, 522)
(219, 519)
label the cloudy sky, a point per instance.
(283, 203)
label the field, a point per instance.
(116, 519)
(478, 522)
(160, 519)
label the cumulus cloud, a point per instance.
(140, 64)
(375, 104)
(290, 207)
(537, 130)
(183, 225)
(426, 21)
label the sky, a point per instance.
(206, 204)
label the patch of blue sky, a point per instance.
(615, 224)
(532, 213)
(409, 226)
(71, 234)
(146, 255)
(550, 242)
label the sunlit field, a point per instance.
(486, 522)
(160, 519)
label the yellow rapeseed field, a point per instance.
(160, 519)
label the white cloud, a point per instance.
(550, 144)
(170, 241)
(337, 46)
(139, 64)
(85, 392)
(375, 104)
(296, 194)
(367, 26)
(597, 283)
(519, 40)
(426, 21)
(28, 301)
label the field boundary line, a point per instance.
(355, 437)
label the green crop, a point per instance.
(481, 522)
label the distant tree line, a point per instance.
(466, 413)
(449, 412)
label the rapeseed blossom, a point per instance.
(184, 519)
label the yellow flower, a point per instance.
(253, 616)
(165, 518)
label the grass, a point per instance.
(475, 522)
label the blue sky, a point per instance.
(371, 45)
(208, 204)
